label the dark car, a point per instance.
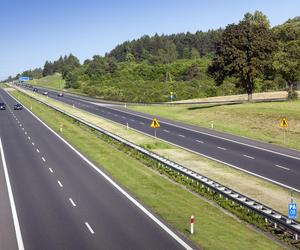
(60, 94)
(45, 93)
(2, 106)
(35, 89)
(18, 106)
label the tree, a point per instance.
(287, 57)
(48, 69)
(244, 50)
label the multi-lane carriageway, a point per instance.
(54, 198)
(274, 163)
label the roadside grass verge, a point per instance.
(54, 81)
(258, 121)
(214, 229)
(263, 191)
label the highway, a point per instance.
(62, 201)
(273, 163)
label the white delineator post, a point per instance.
(192, 224)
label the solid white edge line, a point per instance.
(89, 227)
(12, 202)
(204, 133)
(135, 202)
(72, 202)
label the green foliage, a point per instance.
(245, 49)
(35, 73)
(287, 57)
(63, 65)
(167, 48)
(244, 57)
(292, 95)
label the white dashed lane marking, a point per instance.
(221, 148)
(89, 228)
(250, 157)
(60, 184)
(199, 141)
(43, 159)
(167, 131)
(50, 169)
(72, 202)
(181, 136)
(285, 168)
(37, 150)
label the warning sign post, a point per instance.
(155, 124)
(284, 124)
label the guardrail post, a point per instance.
(296, 236)
(266, 220)
(275, 225)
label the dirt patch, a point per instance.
(244, 97)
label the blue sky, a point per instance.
(34, 31)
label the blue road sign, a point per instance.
(292, 210)
(24, 78)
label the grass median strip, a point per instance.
(213, 230)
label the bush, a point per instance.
(292, 95)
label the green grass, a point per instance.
(53, 81)
(213, 230)
(258, 121)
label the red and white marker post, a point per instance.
(192, 224)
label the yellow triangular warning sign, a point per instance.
(284, 123)
(155, 123)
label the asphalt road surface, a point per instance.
(277, 164)
(62, 202)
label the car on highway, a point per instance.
(35, 90)
(60, 94)
(45, 93)
(18, 106)
(2, 106)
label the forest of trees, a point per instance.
(242, 58)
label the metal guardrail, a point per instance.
(268, 213)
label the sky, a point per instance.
(34, 31)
